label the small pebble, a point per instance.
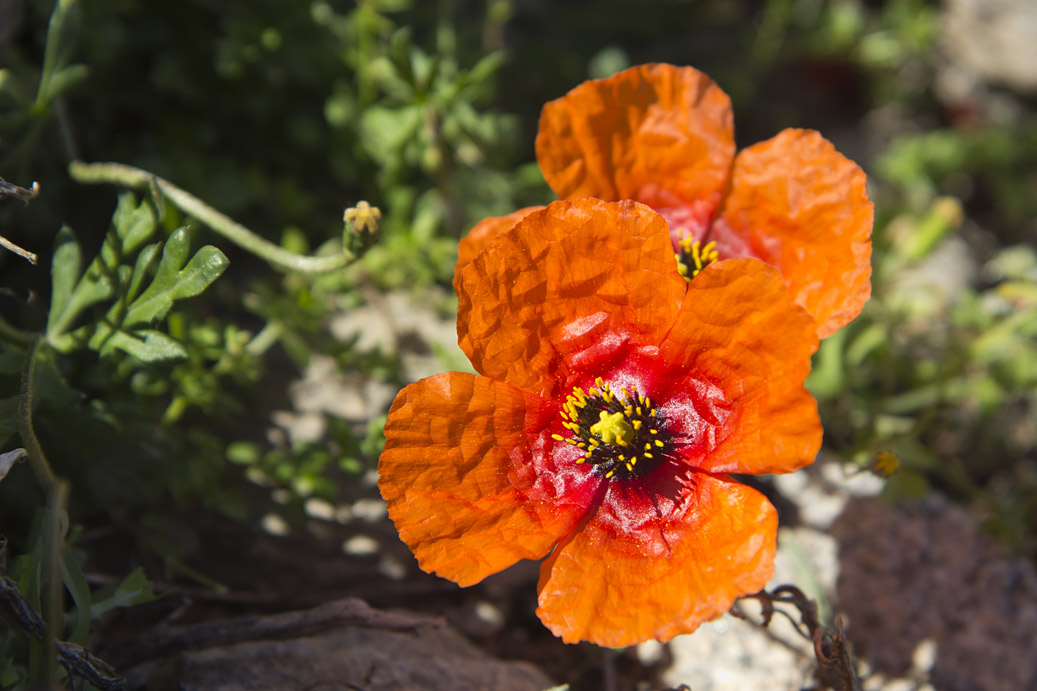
(360, 545)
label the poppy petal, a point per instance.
(747, 349)
(656, 133)
(455, 475)
(637, 571)
(798, 204)
(482, 233)
(561, 283)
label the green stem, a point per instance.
(37, 459)
(53, 545)
(264, 339)
(15, 336)
(128, 176)
(56, 490)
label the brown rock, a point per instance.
(912, 572)
(432, 658)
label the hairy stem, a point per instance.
(37, 459)
(128, 176)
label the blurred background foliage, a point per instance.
(282, 114)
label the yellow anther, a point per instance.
(557, 437)
(595, 443)
(580, 460)
(629, 467)
(637, 424)
(654, 431)
(599, 381)
(610, 473)
(648, 455)
(648, 447)
(612, 429)
(639, 410)
(659, 443)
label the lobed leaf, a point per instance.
(175, 281)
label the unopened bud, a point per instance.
(362, 227)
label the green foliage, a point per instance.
(109, 277)
(939, 372)
(154, 382)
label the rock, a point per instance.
(429, 658)
(993, 40)
(925, 572)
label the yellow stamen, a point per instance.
(613, 429)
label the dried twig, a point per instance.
(77, 661)
(835, 664)
(9, 190)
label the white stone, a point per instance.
(370, 510)
(274, 524)
(360, 545)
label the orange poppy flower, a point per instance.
(612, 400)
(663, 135)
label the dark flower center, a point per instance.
(693, 256)
(621, 433)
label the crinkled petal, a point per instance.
(456, 473)
(798, 204)
(660, 134)
(642, 568)
(564, 280)
(743, 407)
(482, 233)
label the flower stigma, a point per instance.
(693, 257)
(621, 433)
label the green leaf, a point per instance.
(486, 68)
(145, 259)
(146, 345)
(135, 589)
(59, 39)
(174, 281)
(384, 131)
(75, 581)
(827, 377)
(133, 223)
(66, 78)
(65, 269)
